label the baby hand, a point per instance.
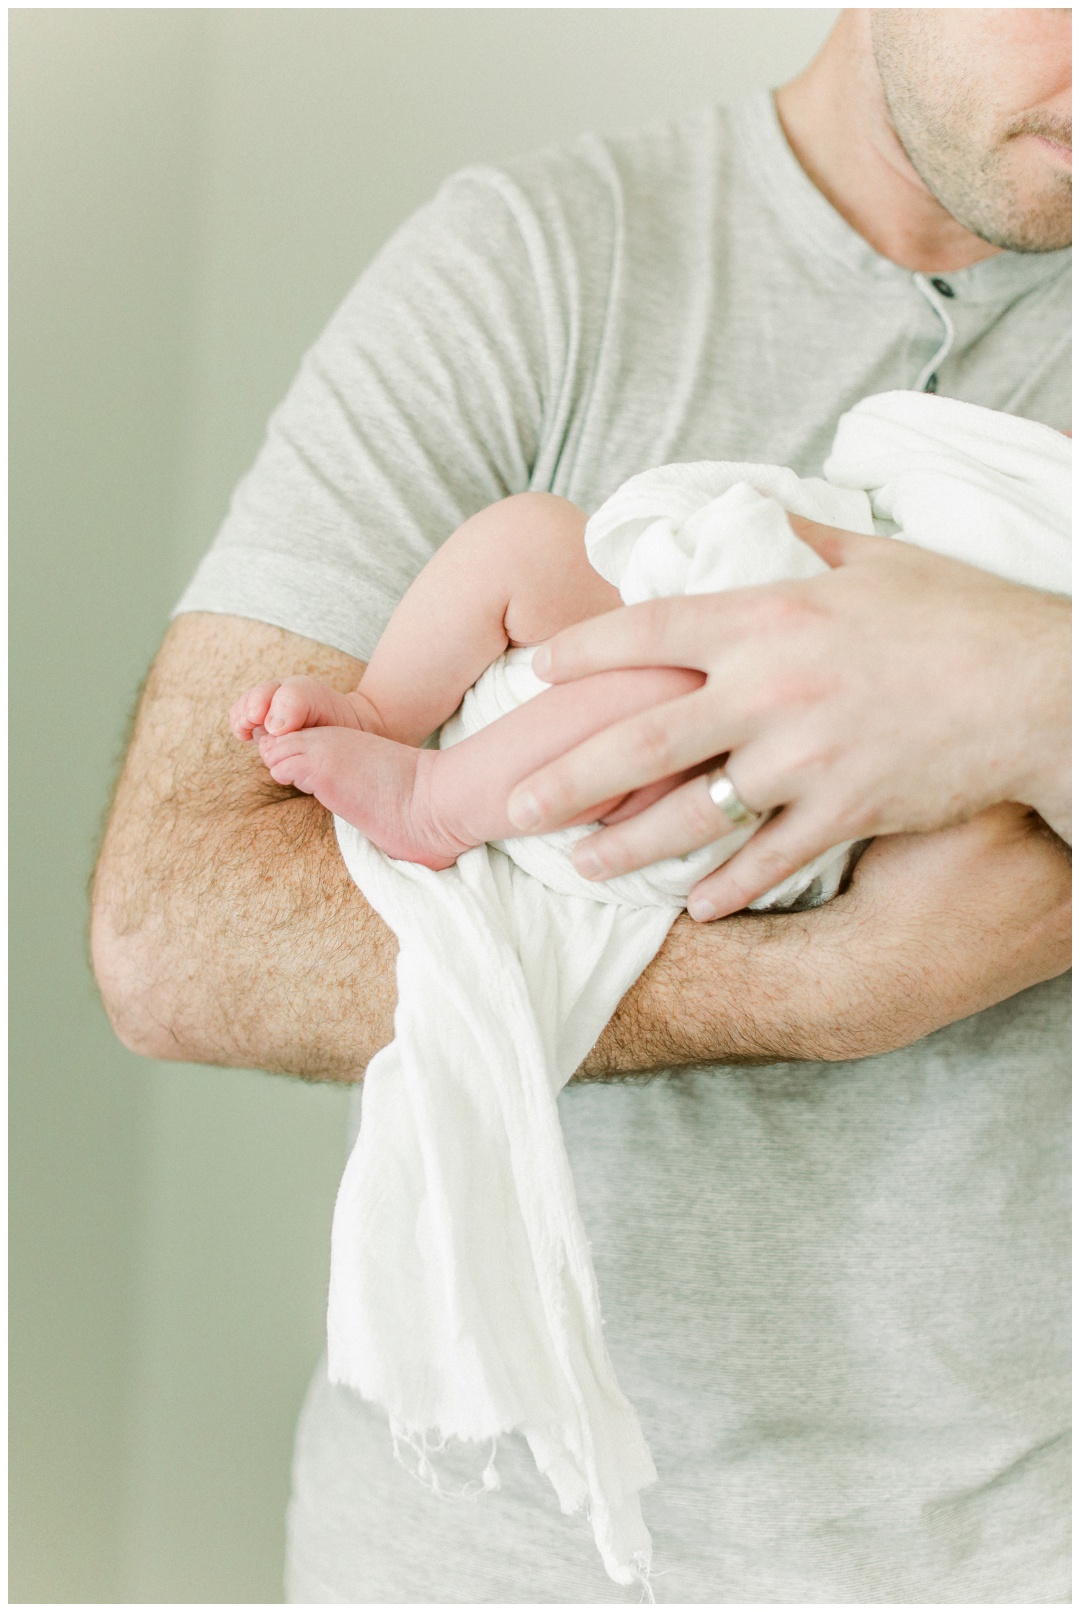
(298, 702)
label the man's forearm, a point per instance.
(933, 928)
(265, 958)
(226, 929)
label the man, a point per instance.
(833, 1289)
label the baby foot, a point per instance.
(381, 787)
(298, 702)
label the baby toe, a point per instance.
(288, 710)
(272, 748)
(245, 714)
(279, 718)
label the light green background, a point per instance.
(192, 192)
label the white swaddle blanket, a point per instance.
(462, 1293)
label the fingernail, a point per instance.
(588, 864)
(701, 909)
(523, 811)
(541, 661)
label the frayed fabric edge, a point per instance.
(642, 1575)
(423, 1469)
(423, 1446)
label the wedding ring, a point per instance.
(723, 794)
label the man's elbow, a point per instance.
(138, 983)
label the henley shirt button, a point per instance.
(931, 385)
(943, 287)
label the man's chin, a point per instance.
(1031, 239)
(1043, 221)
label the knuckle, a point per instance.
(789, 689)
(650, 745)
(650, 625)
(703, 818)
(783, 608)
(774, 862)
(853, 820)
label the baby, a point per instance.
(966, 481)
(511, 576)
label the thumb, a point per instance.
(835, 546)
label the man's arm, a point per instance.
(226, 929)
(934, 927)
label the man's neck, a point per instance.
(836, 121)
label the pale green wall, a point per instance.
(192, 191)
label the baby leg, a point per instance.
(516, 573)
(467, 786)
(429, 806)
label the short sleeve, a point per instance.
(421, 402)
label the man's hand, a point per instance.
(226, 928)
(898, 692)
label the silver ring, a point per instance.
(722, 793)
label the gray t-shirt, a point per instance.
(835, 1293)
